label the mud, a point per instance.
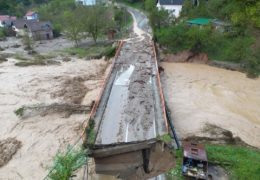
(199, 94)
(216, 135)
(8, 148)
(185, 56)
(72, 90)
(43, 110)
(43, 136)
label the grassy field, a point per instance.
(239, 162)
(93, 52)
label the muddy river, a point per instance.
(77, 81)
(200, 94)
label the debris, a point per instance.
(8, 148)
(43, 110)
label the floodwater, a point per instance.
(42, 136)
(198, 94)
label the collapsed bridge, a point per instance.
(129, 116)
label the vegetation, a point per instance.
(137, 4)
(237, 45)
(165, 138)
(2, 33)
(95, 51)
(176, 172)
(67, 163)
(27, 42)
(240, 162)
(90, 132)
(19, 112)
(37, 60)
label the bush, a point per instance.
(66, 163)
(181, 37)
(2, 33)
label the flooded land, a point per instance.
(30, 142)
(200, 95)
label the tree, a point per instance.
(73, 26)
(98, 20)
(27, 41)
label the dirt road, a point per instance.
(199, 94)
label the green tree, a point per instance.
(98, 20)
(73, 26)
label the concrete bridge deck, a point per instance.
(129, 115)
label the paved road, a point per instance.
(130, 108)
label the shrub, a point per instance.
(66, 163)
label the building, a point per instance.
(199, 21)
(214, 23)
(86, 2)
(31, 15)
(173, 6)
(36, 30)
(6, 20)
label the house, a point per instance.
(36, 29)
(215, 24)
(86, 2)
(31, 15)
(6, 20)
(173, 6)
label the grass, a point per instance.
(176, 173)
(165, 138)
(93, 52)
(240, 162)
(90, 132)
(67, 163)
(21, 57)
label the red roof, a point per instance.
(6, 17)
(195, 151)
(30, 13)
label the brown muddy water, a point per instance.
(200, 94)
(40, 137)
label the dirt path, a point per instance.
(200, 94)
(42, 136)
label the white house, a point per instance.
(86, 2)
(173, 6)
(30, 15)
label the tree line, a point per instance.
(238, 45)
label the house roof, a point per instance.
(200, 21)
(33, 25)
(171, 2)
(7, 17)
(195, 151)
(30, 13)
